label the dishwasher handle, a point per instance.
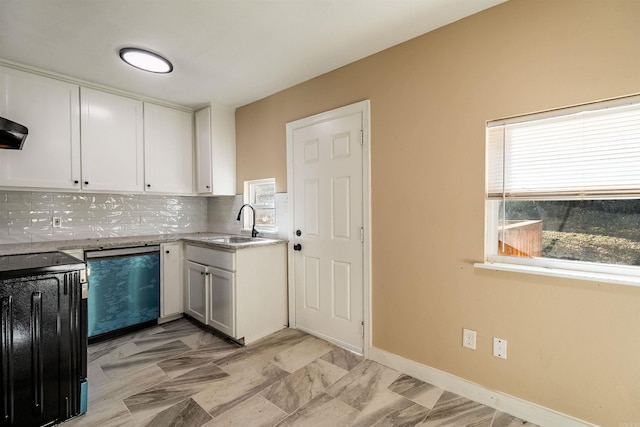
(121, 251)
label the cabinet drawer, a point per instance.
(212, 257)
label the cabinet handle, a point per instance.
(207, 186)
(86, 183)
(167, 252)
(76, 182)
(36, 352)
(148, 185)
(7, 359)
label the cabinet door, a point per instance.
(171, 280)
(29, 311)
(50, 109)
(215, 131)
(222, 301)
(168, 150)
(203, 151)
(223, 151)
(196, 292)
(112, 142)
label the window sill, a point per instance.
(563, 273)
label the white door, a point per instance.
(327, 162)
(195, 288)
(222, 300)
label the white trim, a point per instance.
(247, 199)
(290, 232)
(591, 276)
(92, 85)
(364, 108)
(565, 111)
(512, 405)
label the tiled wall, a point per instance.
(223, 212)
(26, 217)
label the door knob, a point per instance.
(297, 247)
(298, 233)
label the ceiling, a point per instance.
(227, 52)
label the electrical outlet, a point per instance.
(469, 339)
(500, 348)
(56, 222)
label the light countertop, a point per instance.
(200, 239)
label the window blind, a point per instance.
(585, 154)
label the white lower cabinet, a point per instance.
(171, 305)
(242, 294)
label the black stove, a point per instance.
(43, 338)
(24, 265)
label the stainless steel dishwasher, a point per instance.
(124, 290)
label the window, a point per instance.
(261, 194)
(563, 191)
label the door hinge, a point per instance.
(362, 234)
(361, 137)
(362, 329)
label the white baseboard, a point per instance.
(503, 402)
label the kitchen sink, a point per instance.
(235, 239)
(232, 240)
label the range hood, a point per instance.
(12, 134)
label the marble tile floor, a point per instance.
(178, 374)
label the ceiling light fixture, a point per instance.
(145, 60)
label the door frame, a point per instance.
(364, 108)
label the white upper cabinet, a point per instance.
(203, 151)
(83, 139)
(215, 133)
(168, 150)
(112, 142)
(49, 108)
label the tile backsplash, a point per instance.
(26, 217)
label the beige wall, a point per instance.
(573, 346)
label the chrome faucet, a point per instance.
(254, 232)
